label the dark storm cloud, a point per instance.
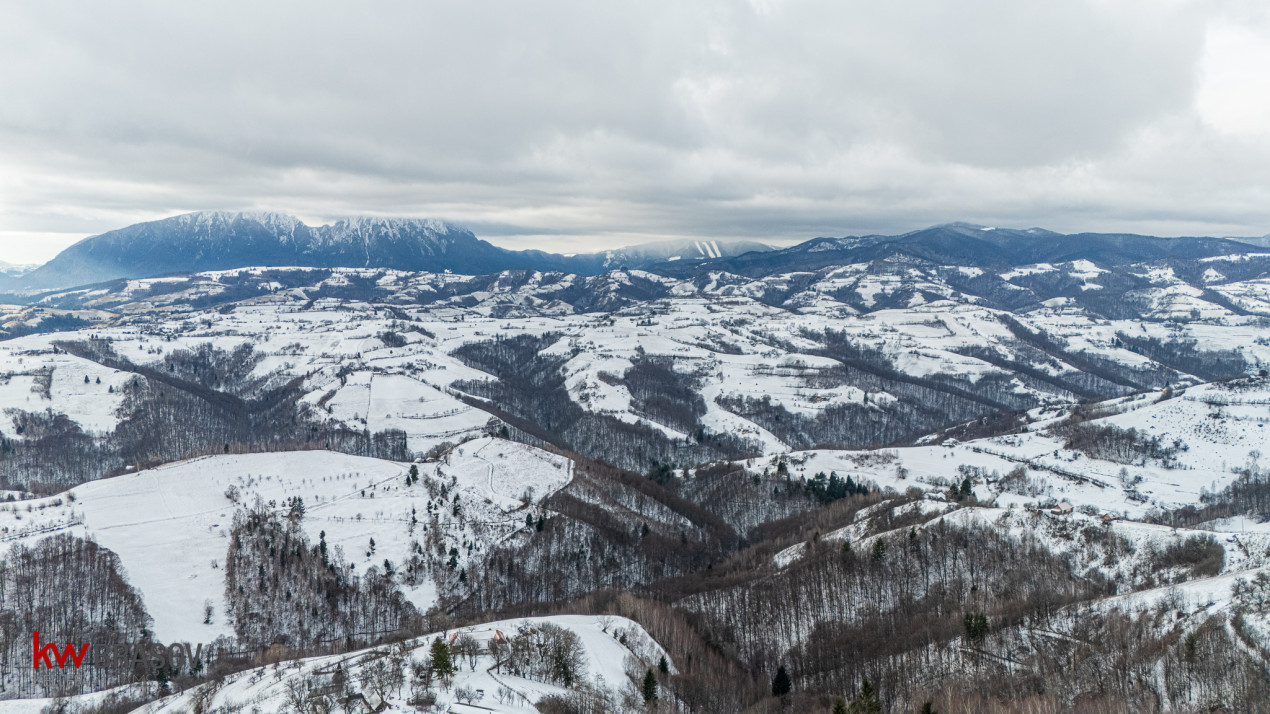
(576, 125)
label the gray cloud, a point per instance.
(581, 125)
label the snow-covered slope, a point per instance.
(1212, 432)
(614, 653)
(169, 525)
(611, 647)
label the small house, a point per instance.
(1064, 508)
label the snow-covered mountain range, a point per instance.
(218, 240)
(221, 240)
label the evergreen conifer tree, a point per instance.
(297, 509)
(781, 684)
(442, 662)
(867, 702)
(650, 686)
(976, 625)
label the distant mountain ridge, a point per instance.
(197, 242)
(14, 269)
(670, 251)
(219, 240)
(968, 245)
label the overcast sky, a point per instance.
(577, 126)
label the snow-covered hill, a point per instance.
(1209, 435)
(613, 655)
(169, 525)
(614, 651)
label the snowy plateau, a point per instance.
(855, 459)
